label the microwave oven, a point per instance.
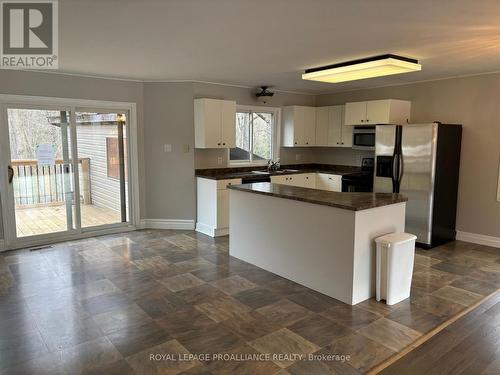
(363, 138)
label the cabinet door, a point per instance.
(299, 118)
(228, 124)
(355, 113)
(309, 126)
(335, 122)
(335, 182)
(322, 181)
(346, 136)
(378, 111)
(294, 180)
(309, 180)
(279, 180)
(222, 208)
(212, 122)
(322, 126)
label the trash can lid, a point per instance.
(396, 238)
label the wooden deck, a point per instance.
(51, 219)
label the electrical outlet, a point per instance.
(219, 160)
(167, 148)
(186, 148)
(298, 157)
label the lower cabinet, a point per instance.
(321, 181)
(213, 206)
(331, 182)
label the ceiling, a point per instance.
(257, 42)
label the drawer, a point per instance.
(222, 184)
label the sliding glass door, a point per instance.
(40, 171)
(103, 164)
(67, 171)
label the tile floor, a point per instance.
(106, 304)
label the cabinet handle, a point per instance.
(362, 120)
(218, 144)
(337, 143)
(367, 120)
(224, 144)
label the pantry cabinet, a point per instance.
(386, 111)
(214, 123)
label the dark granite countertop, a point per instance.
(247, 172)
(347, 201)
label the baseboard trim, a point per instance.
(167, 224)
(477, 238)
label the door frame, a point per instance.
(10, 240)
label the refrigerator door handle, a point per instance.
(401, 167)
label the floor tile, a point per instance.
(134, 339)
(284, 312)
(222, 309)
(392, 335)
(284, 342)
(176, 324)
(211, 339)
(181, 282)
(415, 318)
(319, 330)
(233, 284)
(350, 316)
(165, 359)
(438, 306)
(257, 297)
(118, 319)
(250, 326)
(457, 295)
(364, 353)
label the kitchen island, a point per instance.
(321, 239)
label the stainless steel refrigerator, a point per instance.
(421, 161)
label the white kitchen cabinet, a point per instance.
(322, 126)
(386, 111)
(299, 126)
(213, 206)
(331, 182)
(214, 123)
(289, 179)
(309, 180)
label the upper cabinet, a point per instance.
(214, 123)
(299, 126)
(387, 111)
(330, 128)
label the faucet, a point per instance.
(273, 165)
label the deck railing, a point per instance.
(41, 185)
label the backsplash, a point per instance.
(208, 158)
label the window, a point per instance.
(113, 159)
(255, 136)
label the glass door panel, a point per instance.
(40, 171)
(103, 164)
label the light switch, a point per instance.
(186, 148)
(219, 160)
(167, 148)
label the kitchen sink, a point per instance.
(261, 172)
(279, 171)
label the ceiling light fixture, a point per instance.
(370, 67)
(264, 95)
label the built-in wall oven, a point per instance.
(363, 138)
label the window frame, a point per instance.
(275, 135)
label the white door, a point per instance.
(355, 113)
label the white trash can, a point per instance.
(395, 256)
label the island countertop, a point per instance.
(347, 201)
